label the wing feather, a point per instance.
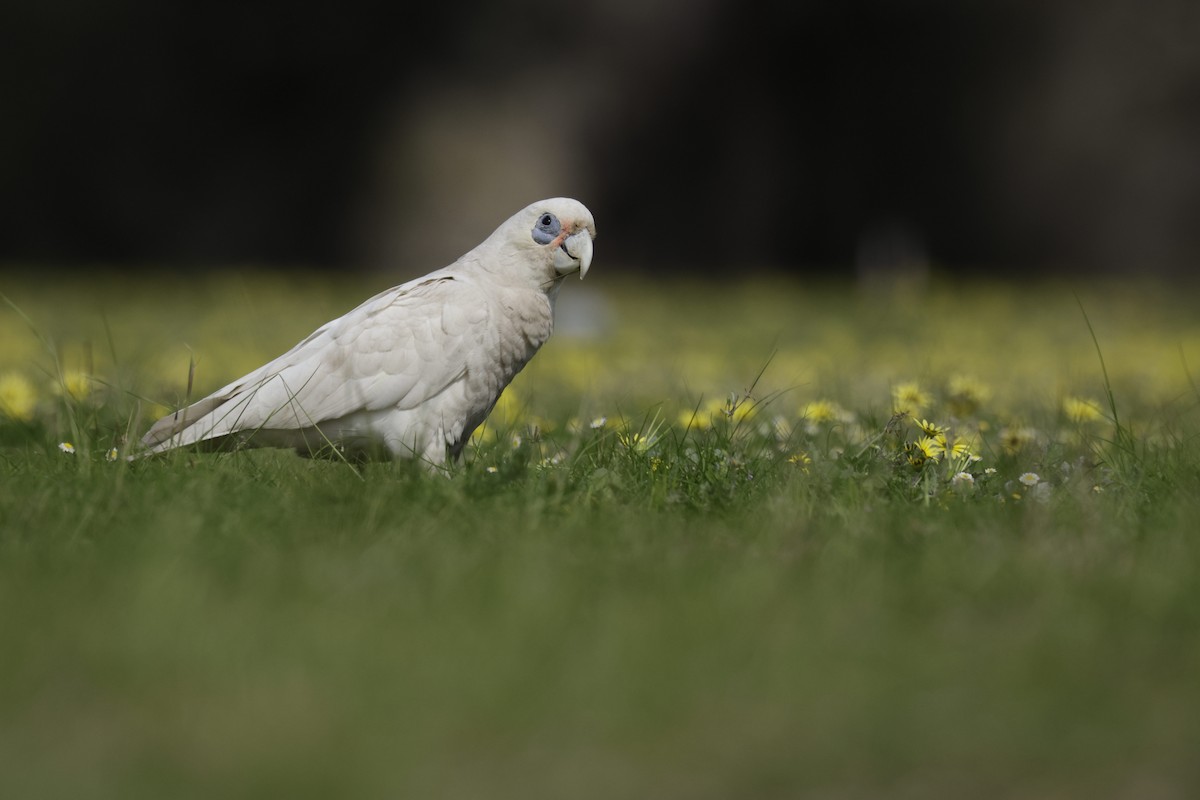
(399, 349)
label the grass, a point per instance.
(696, 553)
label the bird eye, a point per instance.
(546, 229)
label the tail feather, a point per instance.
(166, 433)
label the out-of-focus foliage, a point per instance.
(1009, 349)
(954, 387)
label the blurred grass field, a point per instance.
(753, 539)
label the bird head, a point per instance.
(566, 229)
(554, 235)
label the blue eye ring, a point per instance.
(546, 229)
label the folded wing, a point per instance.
(402, 349)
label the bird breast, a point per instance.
(524, 323)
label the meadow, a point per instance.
(762, 538)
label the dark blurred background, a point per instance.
(1015, 137)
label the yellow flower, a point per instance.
(960, 448)
(966, 395)
(637, 441)
(640, 441)
(508, 407)
(822, 411)
(931, 429)
(801, 460)
(923, 450)
(482, 434)
(1077, 409)
(908, 398)
(701, 418)
(738, 408)
(930, 447)
(77, 384)
(1012, 440)
(17, 397)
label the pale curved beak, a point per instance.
(575, 254)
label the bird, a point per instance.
(414, 370)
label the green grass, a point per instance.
(776, 594)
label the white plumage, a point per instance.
(415, 369)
